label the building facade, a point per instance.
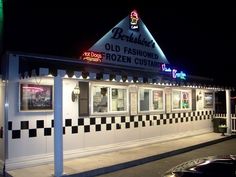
(120, 93)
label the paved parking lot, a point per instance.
(157, 168)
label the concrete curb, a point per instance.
(133, 163)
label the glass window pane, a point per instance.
(144, 99)
(119, 99)
(157, 99)
(208, 100)
(185, 100)
(176, 99)
(100, 99)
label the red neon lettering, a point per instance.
(92, 56)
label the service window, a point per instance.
(119, 99)
(109, 99)
(100, 99)
(185, 100)
(157, 99)
(151, 99)
(176, 97)
(144, 99)
(181, 99)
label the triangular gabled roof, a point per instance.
(129, 48)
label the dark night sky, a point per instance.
(198, 38)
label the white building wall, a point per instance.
(70, 115)
(28, 145)
(88, 135)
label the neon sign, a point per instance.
(32, 89)
(174, 72)
(134, 19)
(164, 68)
(91, 56)
(181, 75)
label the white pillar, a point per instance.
(228, 111)
(58, 129)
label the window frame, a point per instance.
(127, 99)
(181, 100)
(109, 99)
(151, 89)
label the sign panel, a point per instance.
(130, 44)
(34, 97)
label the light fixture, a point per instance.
(75, 93)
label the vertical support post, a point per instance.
(228, 111)
(58, 129)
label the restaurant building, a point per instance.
(121, 93)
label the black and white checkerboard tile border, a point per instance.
(93, 124)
